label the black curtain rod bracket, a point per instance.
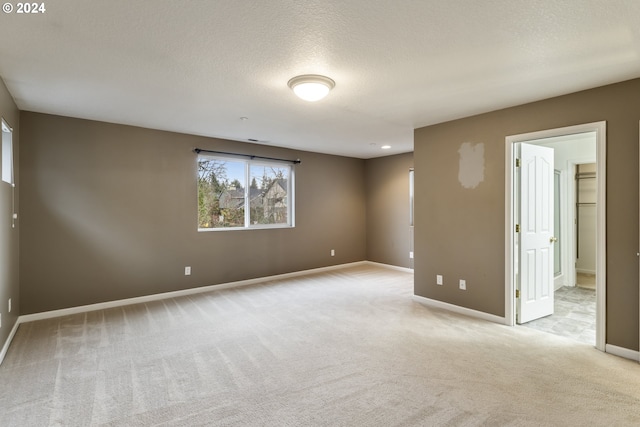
(251, 156)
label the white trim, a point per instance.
(7, 149)
(390, 267)
(7, 343)
(460, 310)
(583, 271)
(601, 236)
(622, 352)
(614, 350)
(174, 294)
(601, 150)
(509, 235)
(5, 125)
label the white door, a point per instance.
(536, 233)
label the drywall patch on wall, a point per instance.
(471, 165)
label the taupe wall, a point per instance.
(109, 212)
(459, 231)
(389, 236)
(9, 244)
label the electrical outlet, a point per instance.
(463, 284)
(439, 280)
(333, 252)
(187, 271)
(411, 254)
(9, 305)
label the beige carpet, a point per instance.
(345, 348)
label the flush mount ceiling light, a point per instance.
(311, 87)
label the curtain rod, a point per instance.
(251, 156)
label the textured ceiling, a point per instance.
(199, 66)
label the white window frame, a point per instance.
(411, 196)
(7, 153)
(247, 183)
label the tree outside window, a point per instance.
(242, 194)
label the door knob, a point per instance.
(553, 239)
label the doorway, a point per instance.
(564, 266)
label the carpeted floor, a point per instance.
(343, 348)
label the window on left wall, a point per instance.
(7, 153)
(235, 193)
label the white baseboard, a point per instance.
(7, 343)
(583, 271)
(391, 267)
(174, 294)
(622, 352)
(460, 310)
(614, 350)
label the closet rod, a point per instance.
(585, 175)
(251, 156)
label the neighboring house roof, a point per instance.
(281, 182)
(235, 198)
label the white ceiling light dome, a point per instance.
(311, 87)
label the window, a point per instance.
(7, 153)
(411, 190)
(236, 193)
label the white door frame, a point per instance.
(510, 221)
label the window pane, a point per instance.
(411, 190)
(221, 187)
(7, 154)
(269, 194)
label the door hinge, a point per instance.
(517, 162)
(517, 293)
(517, 228)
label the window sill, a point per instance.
(254, 227)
